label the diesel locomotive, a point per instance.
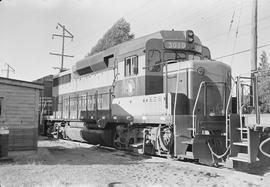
(160, 94)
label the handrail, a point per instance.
(241, 123)
(115, 68)
(194, 108)
(261, 149)
(114, 79)
(176, 93)
(227, 115)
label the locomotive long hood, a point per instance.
(97, 61)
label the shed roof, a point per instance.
(20, 83)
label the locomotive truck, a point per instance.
(160, 94)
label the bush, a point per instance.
(118, 33)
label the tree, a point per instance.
(264, 83)
(263, 65)
(118, 33)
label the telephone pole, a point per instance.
(63, 36)
(9, 68)
(253, 60)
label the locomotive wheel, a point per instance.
(118, 142)
(166, 138)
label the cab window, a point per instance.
(194, 57)
(154, 58)
(131, 66)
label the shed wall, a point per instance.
(20, 114)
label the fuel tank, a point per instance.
(92, 136)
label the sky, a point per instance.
(26, 28)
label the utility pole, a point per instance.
(63, 36)
(9, 68)
(253, 60)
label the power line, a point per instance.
(239, 52)
(184, 20)
(140, 7)
(236, 32)
(214, 17)
(63, 35)
(231, 22)
(229, 32)
(241, 26)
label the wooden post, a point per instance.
(253, 59)
(253, 55)
(63, 48)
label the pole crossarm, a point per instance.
(57, 54)
(62, 36)
(63, 27)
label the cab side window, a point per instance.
(154, 59)
(131, 66)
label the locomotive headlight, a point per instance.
(190, 33)
(190, 40)
(190, 36)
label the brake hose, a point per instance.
(216, 155)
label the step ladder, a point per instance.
(244, 141)
(188, 154)
(246, 148)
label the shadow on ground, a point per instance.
(260, 168)
(60, 152)
(55, 152)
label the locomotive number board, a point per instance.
(175, 45)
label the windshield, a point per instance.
(154, 58)
(180, 56)
(174, 56)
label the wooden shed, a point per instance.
(19, 102)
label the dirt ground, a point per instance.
(65, 163)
